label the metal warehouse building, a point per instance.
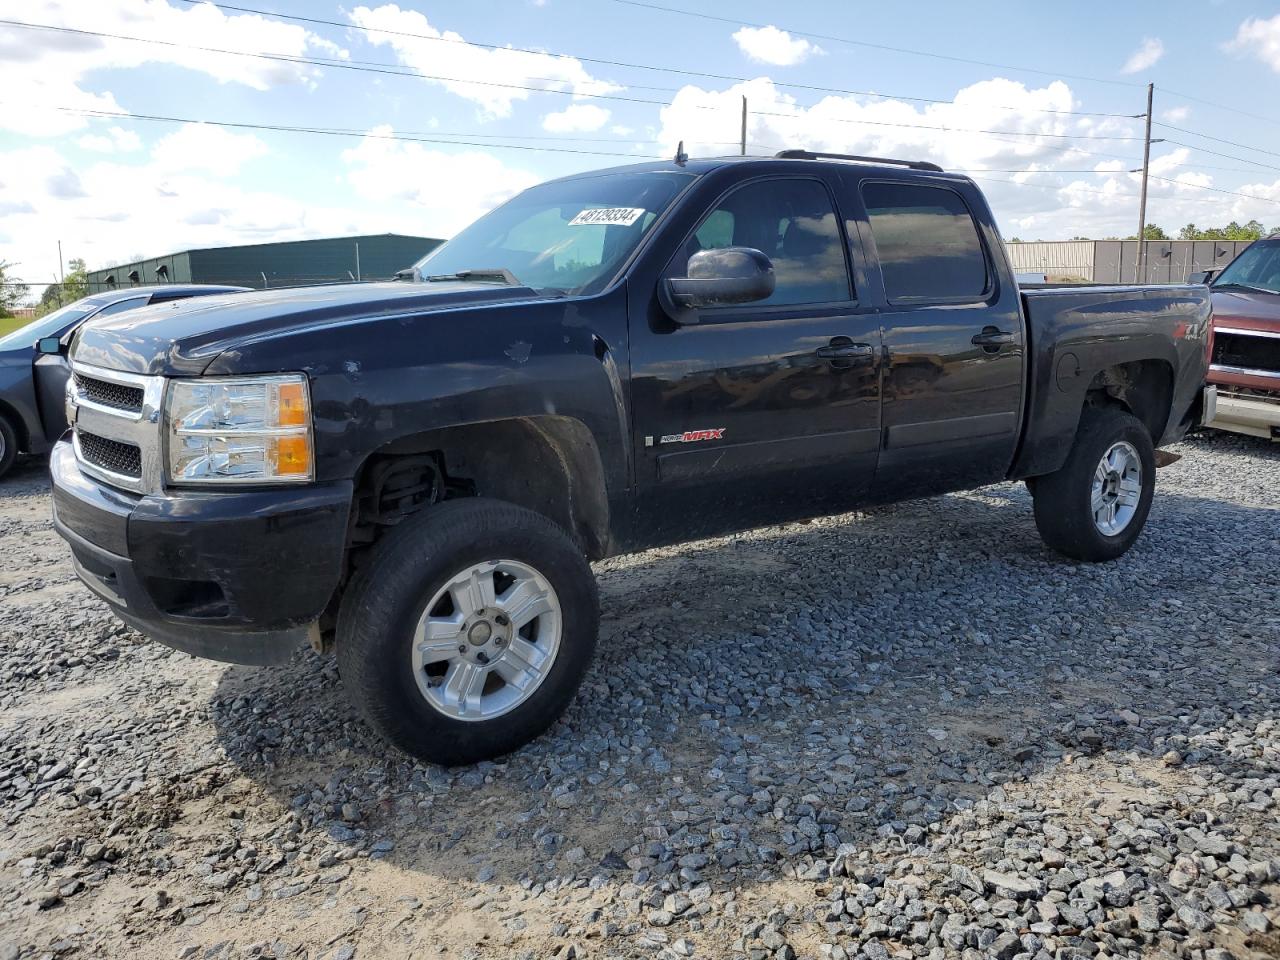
(1116, 261)
(289, 264)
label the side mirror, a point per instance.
(49, 345)
(1204, 276)
(717, 278)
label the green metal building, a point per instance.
(289, 264)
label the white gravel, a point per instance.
(911, 732)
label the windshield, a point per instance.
(1258, 267)
(47, 326)
(564, 237)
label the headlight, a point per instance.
(242, 430)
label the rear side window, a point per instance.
(121, 306)
(927, 242)
(794, 223)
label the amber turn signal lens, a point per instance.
(292, 405)
(291, 456)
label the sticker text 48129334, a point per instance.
(610, 216)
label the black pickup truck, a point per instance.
(418, 472)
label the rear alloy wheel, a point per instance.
(1117, 489)
(1094, 507)
(8, 446)
(468, 630)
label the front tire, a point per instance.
(469, 631)
(8, 445)
(1095, 506)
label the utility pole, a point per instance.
(62, 277)
(1142, 204)
(744, 126)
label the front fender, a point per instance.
(379, 381)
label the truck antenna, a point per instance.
(681, 156)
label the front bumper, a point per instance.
(238, 576)
(1228, 409)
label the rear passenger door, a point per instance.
(762, 410)
(953, 337)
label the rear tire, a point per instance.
(1095, 506)
(444, 696)
(8, 445)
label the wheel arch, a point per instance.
(1142, 384)
(18, 423)
(549, 464)
(1142, 387)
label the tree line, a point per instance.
(1253, 230)
(13, 293)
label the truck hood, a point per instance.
(183, 337)
(1246, 311)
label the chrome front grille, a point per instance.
(116, 426)
(105, 393)
(114, 456)
(1251, 352)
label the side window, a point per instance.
(121, 306)
(794, 223)
(927, 242)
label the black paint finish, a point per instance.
(751, 414)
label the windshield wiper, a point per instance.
(487, 275)
(1245, 286)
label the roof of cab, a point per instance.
(789, 159)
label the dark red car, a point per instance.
(1243, 393)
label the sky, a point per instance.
(137, 129)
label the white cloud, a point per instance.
(197, 146)
(771, 45)
(110, 211)
(492, 79)
(41, 70)
(1260, 39)
(183, 195)
(1175, 114)
(115, 140)
(708, 119)
(1146, 56)
(449, 190)
(1026, 138)
(576, 116)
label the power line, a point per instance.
(945, 129)
(366, 67)
(1220, 106)
(341, 132)
(1230, 143)
(873, 46)
(432, 137)
(413, 74)
(348, 132)
(1197, 186)
(1080, 188)
(629, 65)
(1225, 156)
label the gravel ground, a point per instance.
(906, 732)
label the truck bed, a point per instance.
(1073, 328)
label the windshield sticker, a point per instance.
(613, 216)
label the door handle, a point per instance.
(843, 352)
(992, 339)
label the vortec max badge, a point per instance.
(694, 436)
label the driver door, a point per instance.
(765, 410)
